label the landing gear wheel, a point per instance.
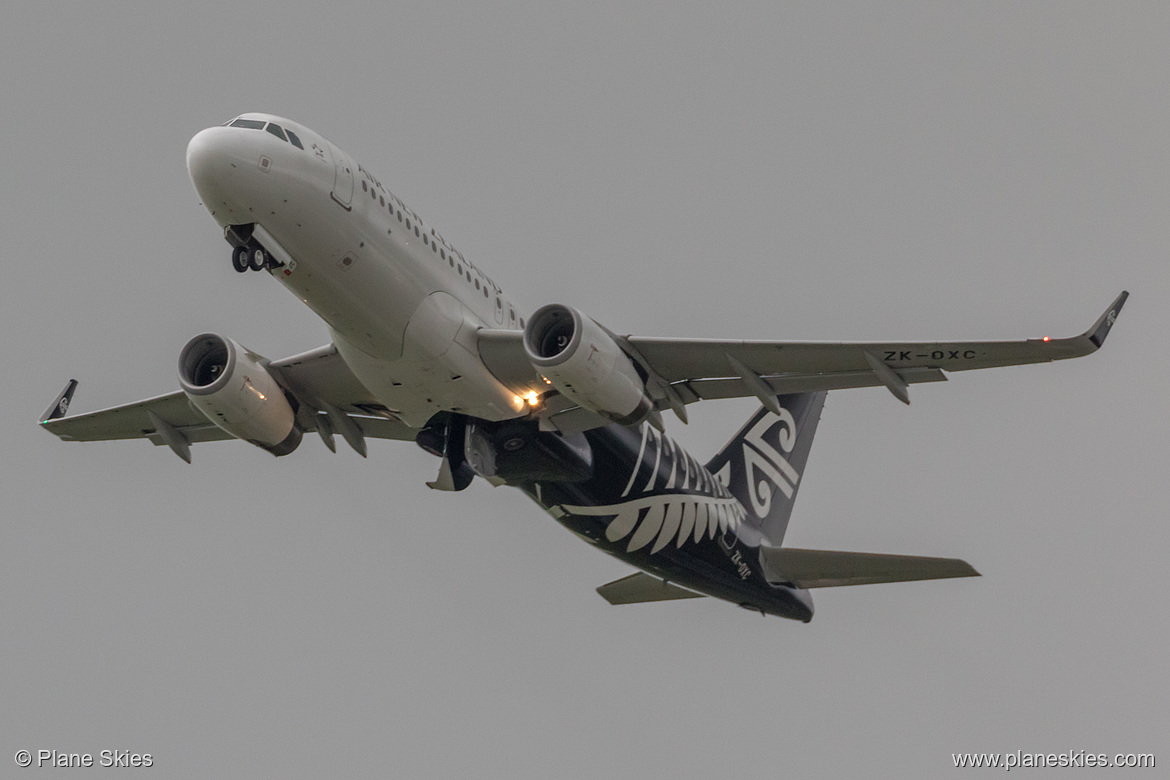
(240, 259)
(257, 258)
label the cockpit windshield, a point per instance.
(272, 127)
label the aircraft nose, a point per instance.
(205, 160)
(216, 164)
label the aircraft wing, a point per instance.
(697, 369)
(318, 379)
(132, 421)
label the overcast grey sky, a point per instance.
(815, 171)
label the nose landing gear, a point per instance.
(251, 258)
(247, 253)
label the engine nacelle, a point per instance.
(584, 363)
(231, 386)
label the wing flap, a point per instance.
(640, 587)
(383, 428)
(829, 569)
(784, 384)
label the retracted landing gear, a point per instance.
(444, 436)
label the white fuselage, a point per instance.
(402, 305)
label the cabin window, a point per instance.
(381, 200)
(364, 188)
(400, 216)
(442, 254)
(416, 231)
(250, 124)
(276, 130)
(477, 284)
(293, 138)
(451, 261)
(459, 270)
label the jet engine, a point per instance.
(231, 386)
(581, 360)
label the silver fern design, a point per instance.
(666, 518)
(660, 518)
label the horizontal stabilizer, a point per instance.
(641, 587)
(829, 569)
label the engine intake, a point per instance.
(231, 386)
(584, 363)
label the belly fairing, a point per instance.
(437, 370)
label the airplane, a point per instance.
(426, 347)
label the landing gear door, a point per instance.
(342, 177)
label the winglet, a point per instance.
(1101, 327)
(60, 405)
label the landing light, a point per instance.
(532, 398)
(1046, 338)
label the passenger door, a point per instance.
(342, 178)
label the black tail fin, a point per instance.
(762, 464)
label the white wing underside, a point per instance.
(318, 378)
(683, 371)
(678, 371)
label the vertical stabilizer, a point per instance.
(762, 465)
